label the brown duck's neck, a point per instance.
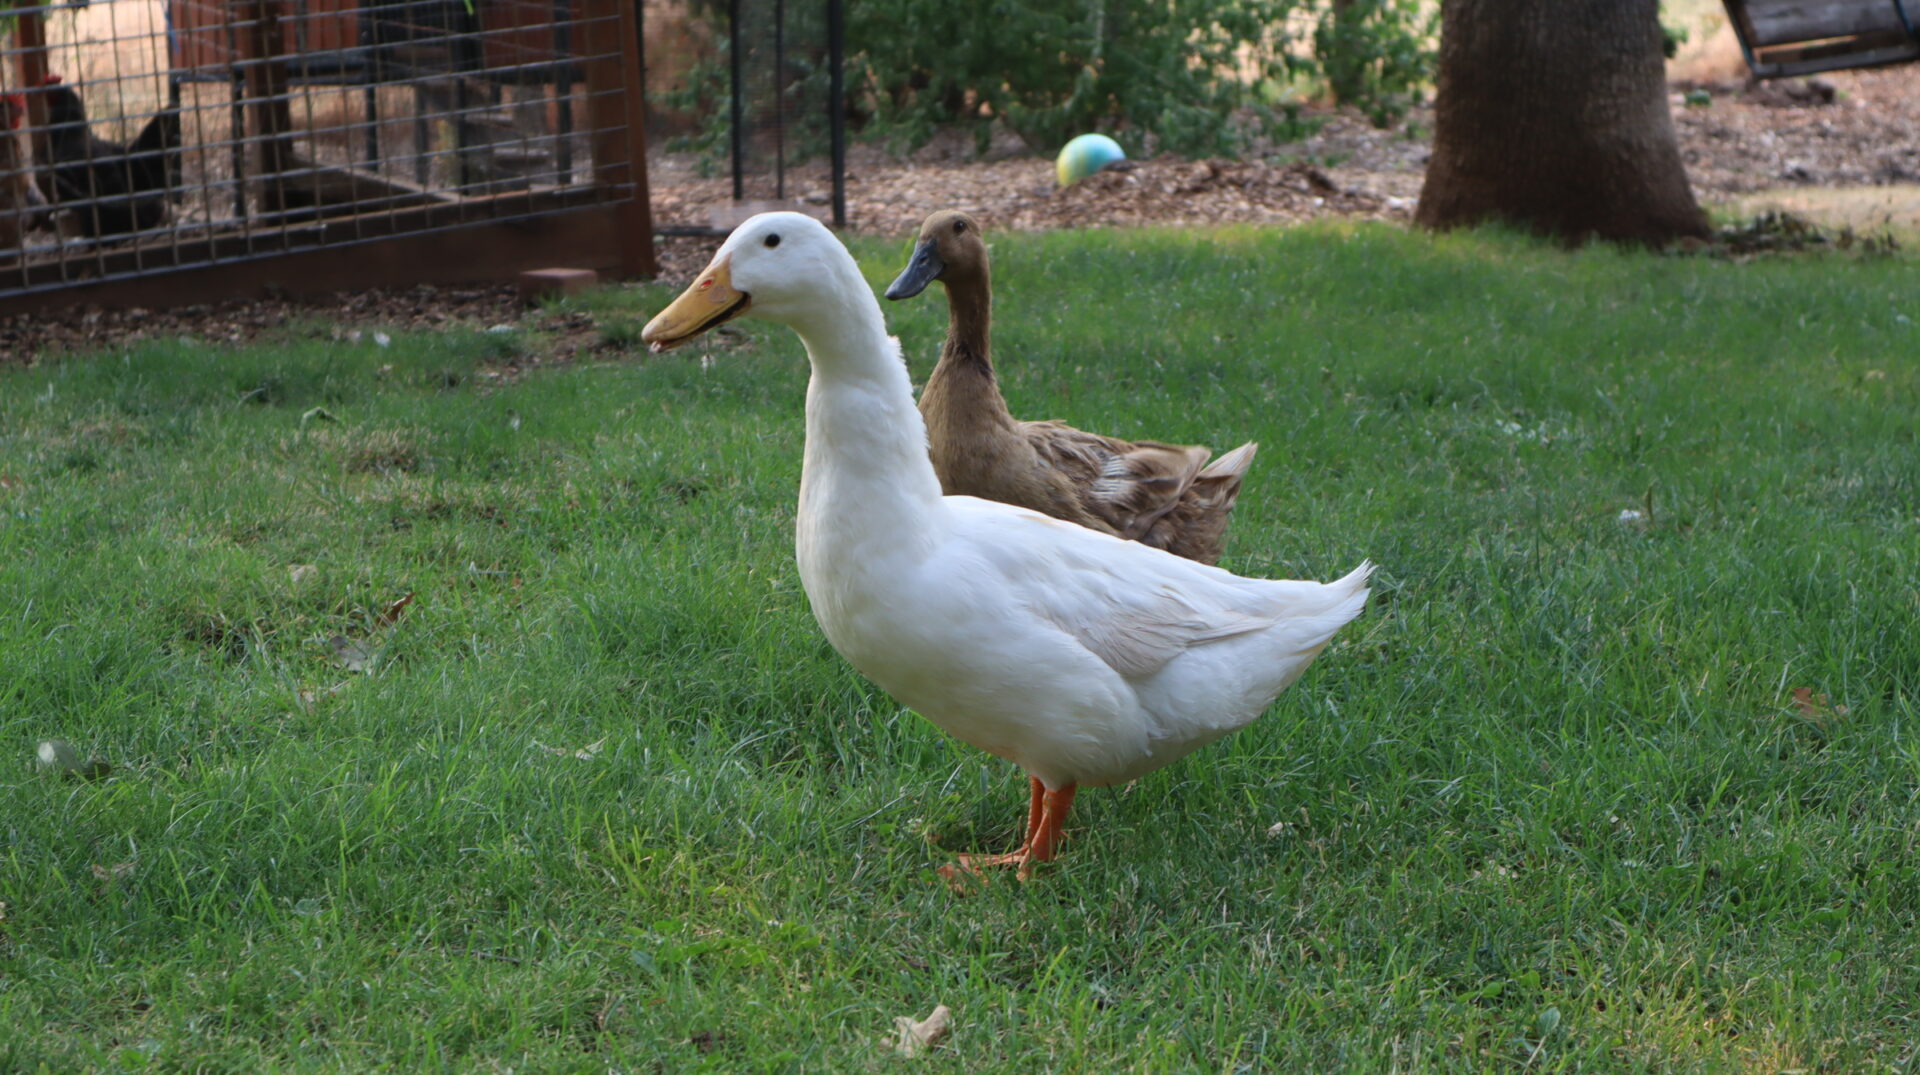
(969, 323)
(962, 400)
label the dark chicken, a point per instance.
(111, 189)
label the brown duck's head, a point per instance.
(949, 249)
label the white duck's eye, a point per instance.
(773, 240)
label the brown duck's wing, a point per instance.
(1196, 528)
(1126, 484)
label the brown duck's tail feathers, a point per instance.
(1234, 464)
(1196, 528)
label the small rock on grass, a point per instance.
(59, 756)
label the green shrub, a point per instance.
(1376, 54)
(1180, 75)
(1175, 69)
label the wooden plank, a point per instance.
(269, 111)
(30, 65)
(493, 252)
(1781, 22)
(1792, 62)
(616, 110)
(345, 189)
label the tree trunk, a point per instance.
(1552, 115)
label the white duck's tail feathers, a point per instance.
(1356, 579)
(1353, 590)
(1232, 464)
(1347, 595)
(1315, 615)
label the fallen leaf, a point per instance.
(114, 872)
(301, 572)
(585, 753)
(351, 655)
(317, 414)
(382, 339)
(915, 1037)
(393, 611)
(1815, 706)
(309, 695)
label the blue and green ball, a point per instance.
(1084, 156)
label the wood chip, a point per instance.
(914, 1037)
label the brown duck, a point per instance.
(1163, 495)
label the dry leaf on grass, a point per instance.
(309, 695)
(362, 656)
(300, 573)
(1815, 706)
(394, 611)
(585, 753)
(352, 656)
(915, 1037)
(115, 872)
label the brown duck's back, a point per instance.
(1163, 495)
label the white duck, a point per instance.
(1082, 658)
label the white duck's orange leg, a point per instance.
(1053, 824)
(1018, 856)
(1046, 825)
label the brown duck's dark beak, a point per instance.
(924, 269)
(711, 300)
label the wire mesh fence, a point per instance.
(138, 136)
(752, 96)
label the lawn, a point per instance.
(1619, 771)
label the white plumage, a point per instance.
(1082, 658)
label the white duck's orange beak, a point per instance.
(710, 301)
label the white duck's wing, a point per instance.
(1135, 607)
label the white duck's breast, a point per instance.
(947, 639)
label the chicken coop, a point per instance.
(1788, 38)
(160, 151)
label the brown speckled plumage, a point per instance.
(1163, 495)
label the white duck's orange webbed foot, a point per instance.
(1046, 820)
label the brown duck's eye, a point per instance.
(773, 240)
(959, 226)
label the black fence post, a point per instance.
(739, 133)
(837, 105)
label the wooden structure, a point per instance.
(287, 203)
(1784, 38)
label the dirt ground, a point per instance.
(1843, 149)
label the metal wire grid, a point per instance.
(226, 129)
(784, 60)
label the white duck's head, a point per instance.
(785, 267)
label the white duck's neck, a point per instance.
(867, 487)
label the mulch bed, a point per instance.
(1847, 128)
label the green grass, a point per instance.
(1548, 805)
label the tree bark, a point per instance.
(1552, 115)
